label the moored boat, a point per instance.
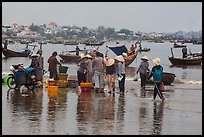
(179, 45)
(186, 61)
(70, 58)
(191, 59)
(87, 43)
(71, 43)
(144, 49)
(11, 53)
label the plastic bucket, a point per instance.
(63, 69)
(52, 88)
(52, 83)
(86, 86)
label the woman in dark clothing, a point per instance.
(81, 76)
(143, 68)
(157, 72)
(53, 65)
(110, 73)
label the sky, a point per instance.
(159, 17)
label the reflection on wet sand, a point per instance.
(130, 72)
(158, 117)
(95, 111)
(27, 104)
(56, 106)
(143, 118)
(120, 113)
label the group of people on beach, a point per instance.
(97, 69)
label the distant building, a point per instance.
(121, 34)
(52, 25)
(47, 31)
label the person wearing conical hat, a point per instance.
(88, 68)
(40, 58)
(143, 69)
(120, 65)
(81, 76)
(34, 61)
(110, 73)
(157, 72)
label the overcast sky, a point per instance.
(136, 16)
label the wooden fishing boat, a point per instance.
(191, 59)
(70, 58)
(11, 53)
(197, 42)
(179, 45)
(90, 43)
(132, 54)
(129, 59)
(186, 61)
(167, 78)
(144, 49)
(71, 43)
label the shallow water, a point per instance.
(69, 111)
(133, 112)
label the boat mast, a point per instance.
(172, 52)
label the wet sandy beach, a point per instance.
(132, 113)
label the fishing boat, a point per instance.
(167, 78)
(186, 61)
(71, 43)
(144, 49)
(191, 59)
(129, 59)
(179, 45)
(118, 50)
(197, 42)
(11, 53)
(90, 43)
(70, 58)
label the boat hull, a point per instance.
(131, 58)
(186, 61)
(144, 50)
(70, 58)
(10, 53)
